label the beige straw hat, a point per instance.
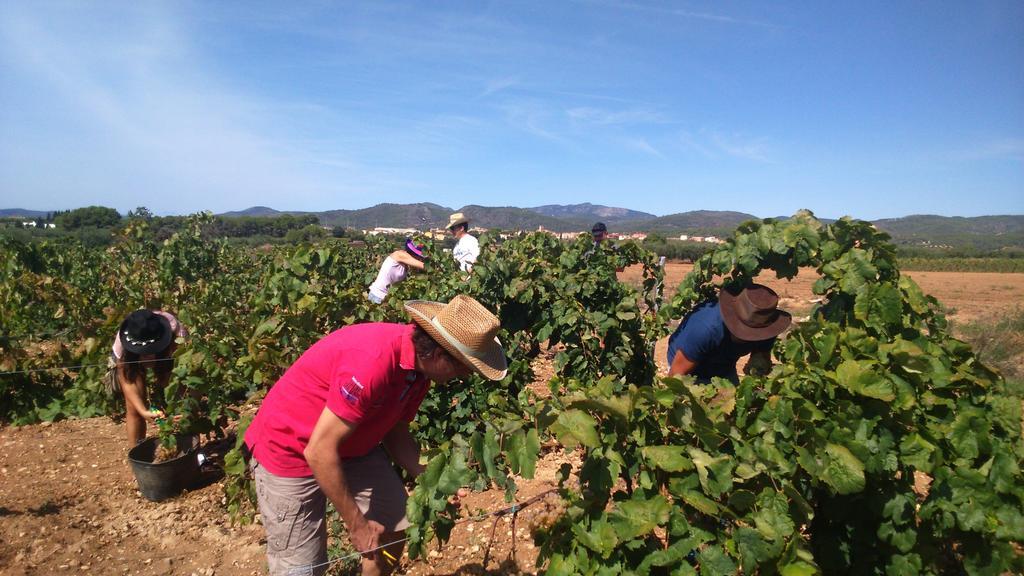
(456, 219)
(466, 329)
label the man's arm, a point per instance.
(321, 454)
(681, 365)
(472, 251)
(403, 449)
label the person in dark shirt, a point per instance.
(600, 234)
(715, 335)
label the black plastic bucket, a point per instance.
(168, 478)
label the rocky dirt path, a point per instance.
(69, 504)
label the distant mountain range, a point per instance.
(20, 213)
(586, 214)
(557, 218)
(983, 232)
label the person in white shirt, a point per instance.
(395, 269)
(467, 248)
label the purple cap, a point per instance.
(414, 248)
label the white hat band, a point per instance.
(454, 342)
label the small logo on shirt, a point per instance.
(352, 392)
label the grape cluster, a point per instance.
(553, 508)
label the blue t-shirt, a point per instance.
(704, 339)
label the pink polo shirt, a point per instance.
(364, 373)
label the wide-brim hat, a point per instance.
(144, 332)
(415, 249)
(465, 329)
(752, 312)
(456, 219)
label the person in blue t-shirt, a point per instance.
(715, 335)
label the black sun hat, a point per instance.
(144, 332)
(752, 313)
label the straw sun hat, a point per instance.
(466, 329)
(456, 219)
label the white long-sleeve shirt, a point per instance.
(466, 251)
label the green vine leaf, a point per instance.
(843, 471)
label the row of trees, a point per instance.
(162, 227)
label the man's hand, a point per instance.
(365, 536)
(759, 364)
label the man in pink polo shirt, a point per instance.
(330, 427)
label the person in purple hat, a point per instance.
(716, 334)
(395, 269)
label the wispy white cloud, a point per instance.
(589, 96)
(600, 116)
(743, 147)
(715, 143)
(533, 117)
(581, 125)
(148, 105)
(682, 13)
(642, 145)
(696, 144)
(995, 149)
(499, 84)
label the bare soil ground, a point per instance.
(69, 502)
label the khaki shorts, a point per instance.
(293, 510)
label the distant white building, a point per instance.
(684, 237)
(559, 235)
(385, 230)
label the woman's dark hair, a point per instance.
(464, 226)
(133, 369)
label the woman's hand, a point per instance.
(153, 414)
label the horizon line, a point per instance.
(530, 208)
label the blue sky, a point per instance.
(872, 109)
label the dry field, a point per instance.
(966, 296)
